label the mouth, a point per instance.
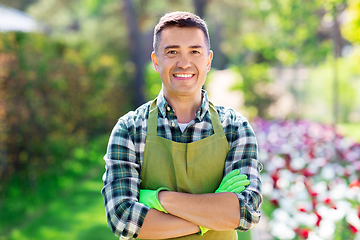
(183, 76)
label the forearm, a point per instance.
(216, 211)
(159, 225)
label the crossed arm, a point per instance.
(217, 211)
(128, 217)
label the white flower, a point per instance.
(353, 219)
(307, 219)
(282, 231)
(328, 172)
(326, 229)
(298, 163)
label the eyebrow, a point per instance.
(177, 46)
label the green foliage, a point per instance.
(67, 207)
(256, 86)
(342, 231)
(320, 83)
(153, 82)
(350, 130)
(351, 28)
(259, 36)
(55, 98)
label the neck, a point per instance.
(185, 106)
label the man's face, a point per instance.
(182, 60)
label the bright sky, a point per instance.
(14, 20)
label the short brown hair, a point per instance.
(179, 19)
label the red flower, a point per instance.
(319, 218)
(307, 173)
(355, 183)
(303, 233)
(314, 202)
(275, 177)
(347, 173)
(302, 209)
(313, 193)
(275, 202)
(327, 201)
(353, 229)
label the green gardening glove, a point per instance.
(151, 198)
(203, 230)
(233, 182)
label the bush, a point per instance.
(53, 98)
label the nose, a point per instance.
(184, 62)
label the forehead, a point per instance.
(182, 37)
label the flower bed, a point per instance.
(310, 180)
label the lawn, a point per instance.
(77, 213)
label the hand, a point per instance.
(151, 198)
(233, 182)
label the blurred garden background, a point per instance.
(70, 69)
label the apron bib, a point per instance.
(195, 167)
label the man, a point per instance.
(178, 166)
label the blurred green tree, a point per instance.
(18, 4)
(53, 98)
(351, 27)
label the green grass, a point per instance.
(244, 235)
(77, 213)
(67, 205)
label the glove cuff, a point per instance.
(157, 197)
(202, 230)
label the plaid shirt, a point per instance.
(125, 153)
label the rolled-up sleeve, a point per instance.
(243, 155)
(125, 215)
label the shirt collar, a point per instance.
(164, 106)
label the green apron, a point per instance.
(195, 167)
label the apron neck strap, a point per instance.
(215, 119)
(153, 118)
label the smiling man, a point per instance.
(183, 59)
(178, 166)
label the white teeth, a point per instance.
(183, 75)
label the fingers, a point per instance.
(238, 190)
(233, 180)
(236, 185)
(231, 174)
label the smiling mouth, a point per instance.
(183, 76)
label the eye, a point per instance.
(171, 52)
(195, 52)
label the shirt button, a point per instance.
(168, 108)
(173, 124)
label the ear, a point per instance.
(210, 57)
(155, 61)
